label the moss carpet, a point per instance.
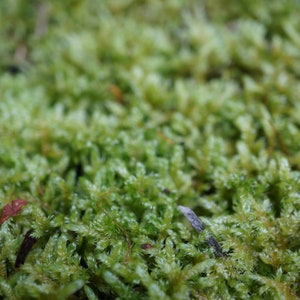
(117, 116)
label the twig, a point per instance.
(25, 248)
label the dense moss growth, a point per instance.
(114, 113)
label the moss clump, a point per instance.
(113, 113)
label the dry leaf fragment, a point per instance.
(12, 209)
(200, 227)
(146, 246)
(116, 92)
(26, 246)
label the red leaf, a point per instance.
(12, 209)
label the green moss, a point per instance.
(113, 113)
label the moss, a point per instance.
(114, 113)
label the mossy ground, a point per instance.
(113, 113)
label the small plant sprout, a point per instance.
(200, 227)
